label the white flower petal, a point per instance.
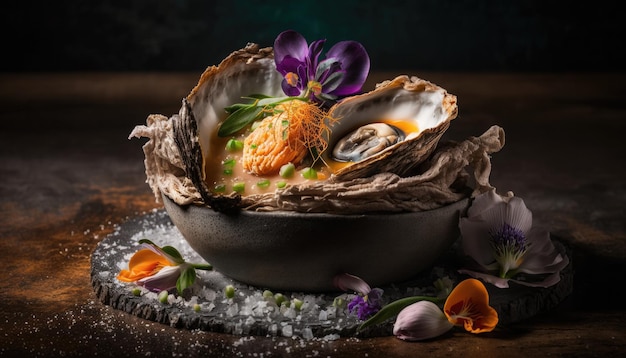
(518, 216)
(165, 279)
(421, 320)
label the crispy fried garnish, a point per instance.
(295, 129)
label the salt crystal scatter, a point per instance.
(307, 333)
(287, 331)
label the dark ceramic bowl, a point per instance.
(304, 251)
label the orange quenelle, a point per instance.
(285, 137)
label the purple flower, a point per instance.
(498, 235)
(368, 305)
(343, 72)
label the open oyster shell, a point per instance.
(427, 107)
(411, 175)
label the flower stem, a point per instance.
(207, 267)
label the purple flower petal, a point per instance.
(347, 282)
(290, 43)
(355, 61)
(367, 305)
(315, 49)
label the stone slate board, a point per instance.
(248, 314)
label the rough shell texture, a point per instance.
(174, 152)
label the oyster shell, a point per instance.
(397, 178)
(424, 110)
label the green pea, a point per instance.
(287, 170)
(281, 184)
(136, 292)
(267, 294)
(163, 296)
(220, 188)
(279, 298)
(229, 163)
(309, 173)
(239, 187)
(229, 291)
(197, 307)
(234, 145)
(263, 183)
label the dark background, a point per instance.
(188, 35)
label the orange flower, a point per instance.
(144, 263)
(468, 306)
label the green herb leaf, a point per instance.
(273, 100)
(171, 251)
(186, 279)
(257, 96)
(235, 107)
(238, 120)
(394, 308)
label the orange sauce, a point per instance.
(223, 168)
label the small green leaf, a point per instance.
(171, 251)
(186, 279)
(238, 120)
(394, 308)
(235, 107)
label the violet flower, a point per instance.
(498, 235)
(367, 301)
(343, 72)
(367, 305)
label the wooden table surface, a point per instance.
(69, 175)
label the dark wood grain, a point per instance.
(69, 176)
